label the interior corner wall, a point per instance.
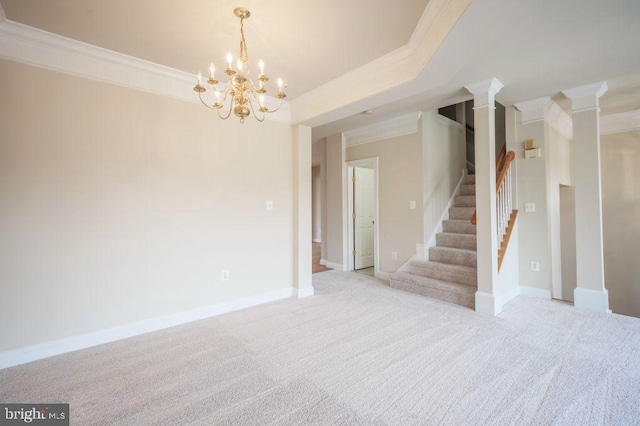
(533, 227)
(336, 174)
(118, 206)
(316, 204)
(399, 182)
(443, 159)
(323, 197)
(620, 160)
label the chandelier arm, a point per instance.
(278, 107)
(204, 103)
(228, 113)
(253, 110)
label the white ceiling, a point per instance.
(535, 47)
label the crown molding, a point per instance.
(584, 98)
(618, 123)
(3, 17)
(43, 49)
(560, 120)
(533, 110)
(484, 92)
(399, 126)
(392, 70)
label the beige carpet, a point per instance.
(356, 353)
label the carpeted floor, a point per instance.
(358, 352)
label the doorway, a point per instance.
(362, 217)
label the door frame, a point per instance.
(349, 238)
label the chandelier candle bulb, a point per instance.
(239, 65)
(280, 84)
(261, 65)
(212, 70)
(229, 59)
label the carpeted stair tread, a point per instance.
(445, 272)
(467, 190)
(461, 213)
(454, 256)
(459, 227)
(461, 241)
(458, 294)
(469, 180)
(465, 201)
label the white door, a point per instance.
(364, 208)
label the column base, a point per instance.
(487, 304)
(594, 300)
(301, 293)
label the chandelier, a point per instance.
(239, 95)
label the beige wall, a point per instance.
(316, 203)
(620, 157)
(538, 181)
(443, 158)
(336, 197)
(118, 206)
(399, 182)
(568, 241)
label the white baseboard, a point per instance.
(536, 293)
(70, 344)
(336, 266)
(384, 276)
(594, 300)
(301, 293)
(316, 240)
(507, 297)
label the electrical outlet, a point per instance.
(535, 266)
(269, 205)
(530, 207)
(412, 204)
(394, 255)
(224, 275)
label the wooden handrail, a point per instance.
(501, 155)
(509, 157)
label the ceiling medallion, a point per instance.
(239, 95)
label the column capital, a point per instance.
(586, 97)
(533, 110)
(484, 92)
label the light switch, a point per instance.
(530, 207)
(412, 204)
(269, 205)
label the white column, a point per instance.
(590, 292)
(302, 211)
(484, 93)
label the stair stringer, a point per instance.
(424, 254)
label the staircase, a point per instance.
(451, 273)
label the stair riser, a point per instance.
(465, 201)
(467, 190)
(441, 254)
(443, 275)
(465, 227)
(461, 213)
(467, 242)
(469, 180)
(466, 300)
